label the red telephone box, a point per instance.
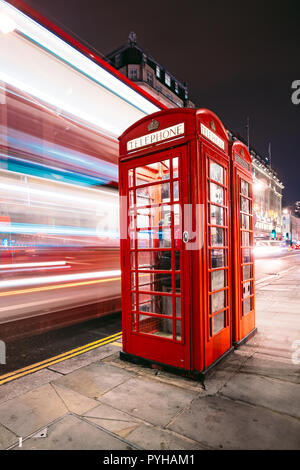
(242, 244)
(174, 170)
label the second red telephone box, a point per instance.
(242, 243)
(175, 240)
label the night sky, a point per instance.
(239, 58)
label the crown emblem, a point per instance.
(153, 125)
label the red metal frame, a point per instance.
(42, 20)
(243, 260)
(205, 139)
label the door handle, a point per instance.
(185, 237)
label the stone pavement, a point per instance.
(251, 399)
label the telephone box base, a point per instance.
(244, 340)
(195, 375)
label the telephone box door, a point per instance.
(245, 310)
(155, 263)
(218, 265)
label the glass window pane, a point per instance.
(178, 330)
(216, 172)
(245, 205)
(217, 236)
(175, 167)
(131, 198)
(177, 282)
(133, 301)
(156, 326)
(218, 322)
(154, 194)
(178, 306)
(153, 216)
(216, 215)
(132, 260)
(216, 193)
(155, 282)
(177, 260)
(245, 239)
(154, 172)
(247, 272)
(244, 188)
(247, 289)
(217, 279)
(147, 239)
(154, 238)
(133, 281)
(158, 260)
(246, 255)
(218, 301)
(217, 258)
(247, 304)
(154, 303)
(245, 221)
(176, 190)
(165, 238)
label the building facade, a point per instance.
(267, 192)
(267, 196)
(290, 226)
(140, 67)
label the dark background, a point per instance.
(239, 58)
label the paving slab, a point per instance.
(151, 400)
(277, 395)
(94, 380)
(159, 375)
(222, 372)
(7, 438)
(220, 423)
(152, 438)
(75, 402)
(279, 368)
(113, 420)
(65, 367)
(25, 384)
(33, 410)
(71, 433)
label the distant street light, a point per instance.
(7, 24)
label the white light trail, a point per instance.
(61, 196)
(7, 24)
(32, 265)
(58, 279)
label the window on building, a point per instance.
(176, 87)
(157, 71)
(167, 79)
(150, 78)
(133, 74)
